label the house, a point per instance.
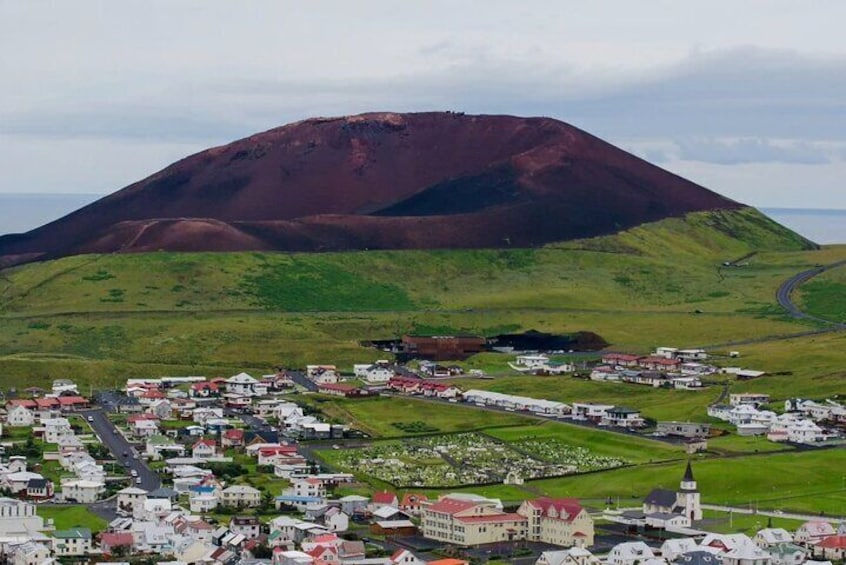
(590, 411)
(142, 428)
(622, 417)
(630, 553)
(405, 557)
(30, 553)
(111, 541)
(383, 498)
(787, 554)
(340, 389)
(75, 541)
(204, 449)
(747, 555)
(412, 503)
(672, 548)
(561, 521)
(772, 536)
(241, 496)
(309, 487)
(55, 429)
(244, 385)
(336, 520)
(831, 547)
(621, 360)
(204, 390)
(153, 536)
(129, 498)
(571, 556)
(683, 429)
(203, 500)
(19, 416)
(162, 409)
(39, 489)
(82, 491)
(755, 399)
(232, 438)
(467, 522)
(698, 557)
(247, 526)
(354, 504)
(810, 533)
(18, 517)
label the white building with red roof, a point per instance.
(468, 522)
(832, 547)
(558, 521)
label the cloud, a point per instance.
(755, 150)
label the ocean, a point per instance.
(23, 212)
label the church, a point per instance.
(681, 507)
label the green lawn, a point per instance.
(68, 516)
(632, 449)
(376, 416)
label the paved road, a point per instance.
(301, 379)
(118, 445)
(785, 292)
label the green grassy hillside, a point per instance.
(103, 317)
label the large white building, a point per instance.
(18, 517)
(558, 521)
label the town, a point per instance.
(248, 470)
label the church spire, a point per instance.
(688, 474)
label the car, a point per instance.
(126, 454)
(134, 473)
(138, 481)
(90, 418)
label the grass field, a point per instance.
(72, 515)
(377, 416)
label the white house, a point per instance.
(31, 553)
(55, 429)
(201, 502)
(129, 498)
(747, 555)
(245, 385)
(813, 532)
(204, 449)
(241, 496)
(81, 490)
(19, 416)
(75, 541)
(630, 553)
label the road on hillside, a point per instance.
(784, 294)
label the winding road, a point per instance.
(785, 292)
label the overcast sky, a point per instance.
(746, 97)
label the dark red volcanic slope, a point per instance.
(379, 181)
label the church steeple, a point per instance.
(688, 495)
(688, 474)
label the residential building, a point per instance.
(471, 522)
(30, 553)
(75, 541)
(561, 522)
(772, 536)
(622, 417)
(82, 491)
(129, 498)
(812, 532)
(630, 553)
(241, 496)
(747, 555)
(19, 416)
(247, 526)
(18, 517)
(683, 429)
